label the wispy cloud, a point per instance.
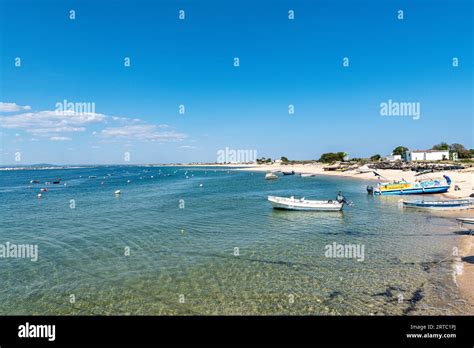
(48, 123)
(12, 107)
(59, 138)
(143, 132)
(57, 126)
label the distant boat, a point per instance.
(307, 175)
(452, 204)
(34, 181)
(404, 187)
(363, 169)
(467, 222)
(289, 173)
(306, 204)
(335, 166)
(270, 176)
(92, 176)
(117, 192)
(57, 181)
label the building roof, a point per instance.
(429, 151)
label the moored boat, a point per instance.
(466, 222)
(289, 173)
(307, 175)
(363, 169)
(293, 203)
(270, 176)
(452, 204)
(404, 187)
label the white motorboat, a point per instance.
(466, 222)
(270, 176)
(293, 203)
(307, 175)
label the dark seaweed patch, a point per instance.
(416, 297)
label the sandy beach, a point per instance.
(464, 179)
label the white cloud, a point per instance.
(12, 107)
(59, 138)
(187, 147)
(142, 132)
(58, 125)
(50, 122)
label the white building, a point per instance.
(427, 155)
(393, 158)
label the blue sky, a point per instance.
(190, 62)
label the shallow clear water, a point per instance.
(281, 267)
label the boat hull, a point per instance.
(466, 222)
(441, 205)
(288, 204)
(413, 191)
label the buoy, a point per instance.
(201, 185)
(40, 195)
(128, 181)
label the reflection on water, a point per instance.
(220, 248)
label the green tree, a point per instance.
(461, 150)
(332, 157)
(400, 150)
(284, 159)
(375, 158)
(441, 146)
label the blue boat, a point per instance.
(452, 204)
(408, 188)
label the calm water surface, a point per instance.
(190, 251)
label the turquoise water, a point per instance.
(183, 260)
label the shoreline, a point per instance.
(464, 178)
(463, 266)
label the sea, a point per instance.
(205, 241)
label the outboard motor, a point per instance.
(341, 199)
(370, 190)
